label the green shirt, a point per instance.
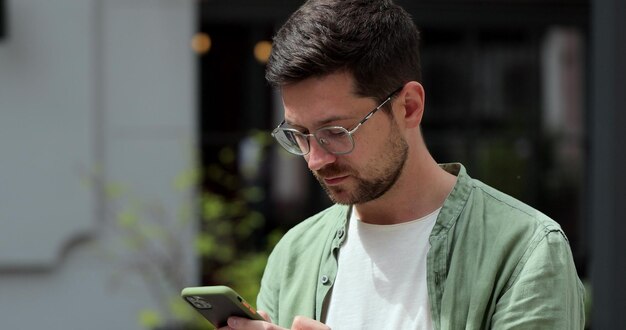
(494, 263)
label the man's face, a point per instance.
(380, 151)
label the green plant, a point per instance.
(223, 227)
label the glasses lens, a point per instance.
(292, 140)
(336, 140)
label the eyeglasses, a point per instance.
(334, 139)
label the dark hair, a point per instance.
(374, 40)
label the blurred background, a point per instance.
(135, 156)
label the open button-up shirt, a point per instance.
(494, 263)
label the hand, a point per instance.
(299, 323)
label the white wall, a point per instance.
(86, 85)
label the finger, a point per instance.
(265, 316)
(235, 323)
(305, 323)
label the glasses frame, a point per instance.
(320, 141)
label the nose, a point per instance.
(318, 157)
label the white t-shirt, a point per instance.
(381, 280)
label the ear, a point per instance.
(412, 100)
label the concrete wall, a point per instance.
(86, 86)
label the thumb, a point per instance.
(265, 316)
(305, 323)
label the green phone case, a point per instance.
(218, 303)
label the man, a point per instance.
(410, 244)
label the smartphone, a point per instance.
(218, 303)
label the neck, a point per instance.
(421, 189)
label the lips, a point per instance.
(332, 174)
(335, 180)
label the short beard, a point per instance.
(386, 174)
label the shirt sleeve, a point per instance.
(546, 293)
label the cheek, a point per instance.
(370, 145)
(365, 154)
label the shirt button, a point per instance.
(340, 233)
(324, 279)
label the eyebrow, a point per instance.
(321, 123)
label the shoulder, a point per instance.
(479, 215)
(516, 230)
(475, 206)
(509, 212)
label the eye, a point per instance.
(299, 129)
(291, 136)
(335, 131)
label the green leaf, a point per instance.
(152, 232)
(215, 172)
(227, 155)
(261, 137)
(180, 309)
(230, 181)
(252, 221)
(253, 194)
(213, 207)
(236, 208)
(185, 214)
(187, 179)
(149, 319)
(114, 190)
(205, 244)
(245, 274)
(224, 253)
(222, 228)
(128, 218)
(273, 237)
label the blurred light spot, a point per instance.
(262, 51)
(201, 43)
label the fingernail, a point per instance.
(232, 322)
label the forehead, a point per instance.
(321, 100)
